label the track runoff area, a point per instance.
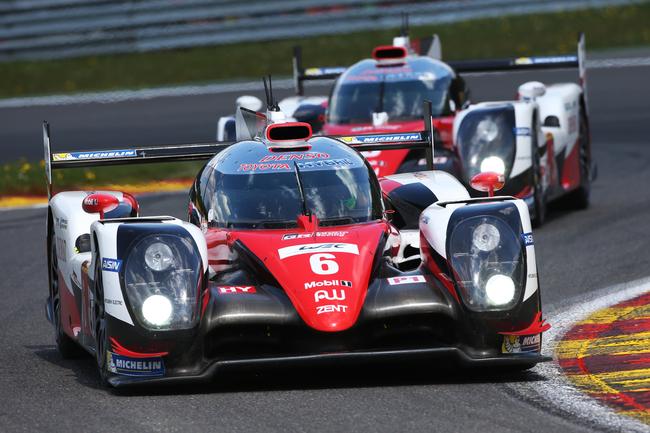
(600, 376)
(607, 356)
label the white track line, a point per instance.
(556, 393)
(216, 89)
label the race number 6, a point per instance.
(322, 264)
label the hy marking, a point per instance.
(556, 393)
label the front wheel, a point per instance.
(66, 346)
(101, 334)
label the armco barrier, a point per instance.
(43, 29)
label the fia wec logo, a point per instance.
(328, 247)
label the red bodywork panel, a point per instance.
(325, 273)
(387, 162)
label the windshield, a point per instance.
(272, 199)
(354, 102)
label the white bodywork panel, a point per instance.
(70, 221)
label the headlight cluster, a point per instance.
(162, 276)
(486, 140)
(488, 262)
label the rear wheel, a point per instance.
(66, 346)
(579, 199)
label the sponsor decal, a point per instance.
(112, 265)
(409, 279)
(225, 290)
(335, 295)
(439, 160)
(381, 138)
(521, 343)
(112, 301)
(73, 156)
(291, 236)
(315, 72)
(324, 163)
(142, 367)
(61, 223)
(294, 156)
(263, 167)
(527, 239)
(321, 309)
(296, 250)
(61, 247)
(523, 61)
(521, 131)
(328, 283)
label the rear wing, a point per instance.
(204, 151)
(123, 156)
(577, 61)
(425, 46)
(300, 74)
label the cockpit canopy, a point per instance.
(399, 90)
(249, 186)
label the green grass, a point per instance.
(516, 35)
(28, 178)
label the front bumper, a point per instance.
(344, 358)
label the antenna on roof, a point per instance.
(271, 104)
(405, 24)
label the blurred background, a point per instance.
(121, 73)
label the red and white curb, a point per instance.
(554, 391)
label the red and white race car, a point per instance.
(290, 256)
(540, 142)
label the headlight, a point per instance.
(157, 310)
(487, 130)
(485, 237)
(162, 274)
(499, 289)
(493, 163)
(486, 140)
(487, 257)
(158, 257)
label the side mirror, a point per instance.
(100, 203)
(488, 181)
(531, 90)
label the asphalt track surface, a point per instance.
(578, 252)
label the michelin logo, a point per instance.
(143, 367)
(73, 156)
(383, 138)
(112, 265)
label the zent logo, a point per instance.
(411, 279)
(337, 295)
(225, 290)
(112, 265)
(331, 309)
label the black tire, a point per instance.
(67, 347)
(580, 198)
(101, 335)
(539, 197)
